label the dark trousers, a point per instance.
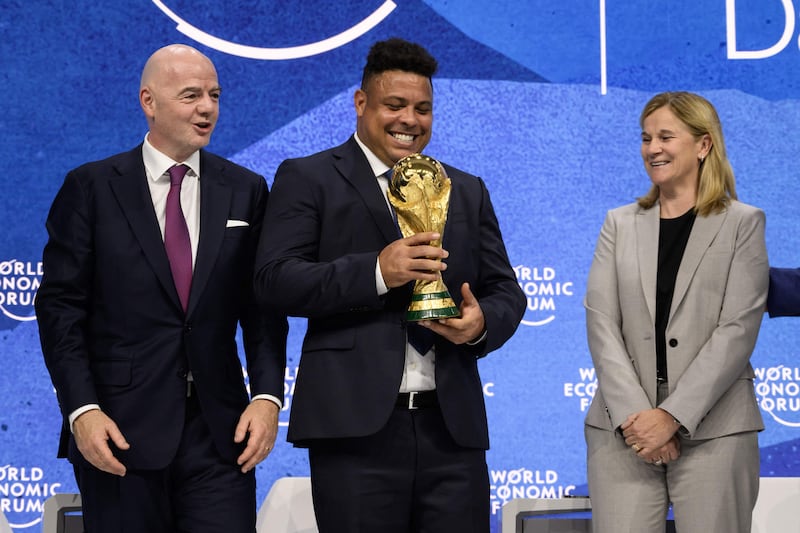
(198, 492)
(410, 477)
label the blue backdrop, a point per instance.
(540, 101)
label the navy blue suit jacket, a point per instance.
(784, 292)
(328, 221)
(112, 329)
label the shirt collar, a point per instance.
(157, 163)
(378, 167)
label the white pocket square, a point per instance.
(235, 223)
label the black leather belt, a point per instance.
(417, 400)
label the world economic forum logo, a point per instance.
(23, 491)
(507, 485)
(778, 392)
(19, 281)
(544, 289)
(275, 54)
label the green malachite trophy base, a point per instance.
(431, 306)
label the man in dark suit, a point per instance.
(147, 272)
(396, 434)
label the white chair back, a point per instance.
(288, 508)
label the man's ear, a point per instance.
(146, 101)
(360, 101)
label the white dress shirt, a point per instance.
(420, 369)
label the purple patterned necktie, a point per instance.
(176, 236)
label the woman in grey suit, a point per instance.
(674, 301)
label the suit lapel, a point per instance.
(703, 232)
(352, 165)
(647, 226)
(133, 195)
(215, 199)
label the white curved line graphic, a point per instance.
(23, 526)
(781, 420)
(539, 322)
(276, 54)
(11, 315)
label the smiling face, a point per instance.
(180, 98)
(395, 114)
(670, 152)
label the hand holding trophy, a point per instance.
(419, 191)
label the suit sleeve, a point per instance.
(501, 299)
(784, 292)
(619, 382)
(63, 298)
(293, 274)
(264, 332)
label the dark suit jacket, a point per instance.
(329, 221)
(112, 329)
(784, 292)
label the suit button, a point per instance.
(182, 373)
(673, 342)
(187, 328)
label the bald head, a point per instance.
(160, 63)
(179, 94)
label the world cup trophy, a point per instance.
(419, 191)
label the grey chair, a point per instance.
(60, 514)
(4, 526)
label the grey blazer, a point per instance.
(717, 308)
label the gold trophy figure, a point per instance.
(420, 193)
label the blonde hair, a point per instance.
(716, 185)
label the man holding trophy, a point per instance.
(388, 399)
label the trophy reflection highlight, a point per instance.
(420, 194)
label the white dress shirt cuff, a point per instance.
(79, 411)
(269, 397)
(380, 285)
(479, 339)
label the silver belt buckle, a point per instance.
(411, 396)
